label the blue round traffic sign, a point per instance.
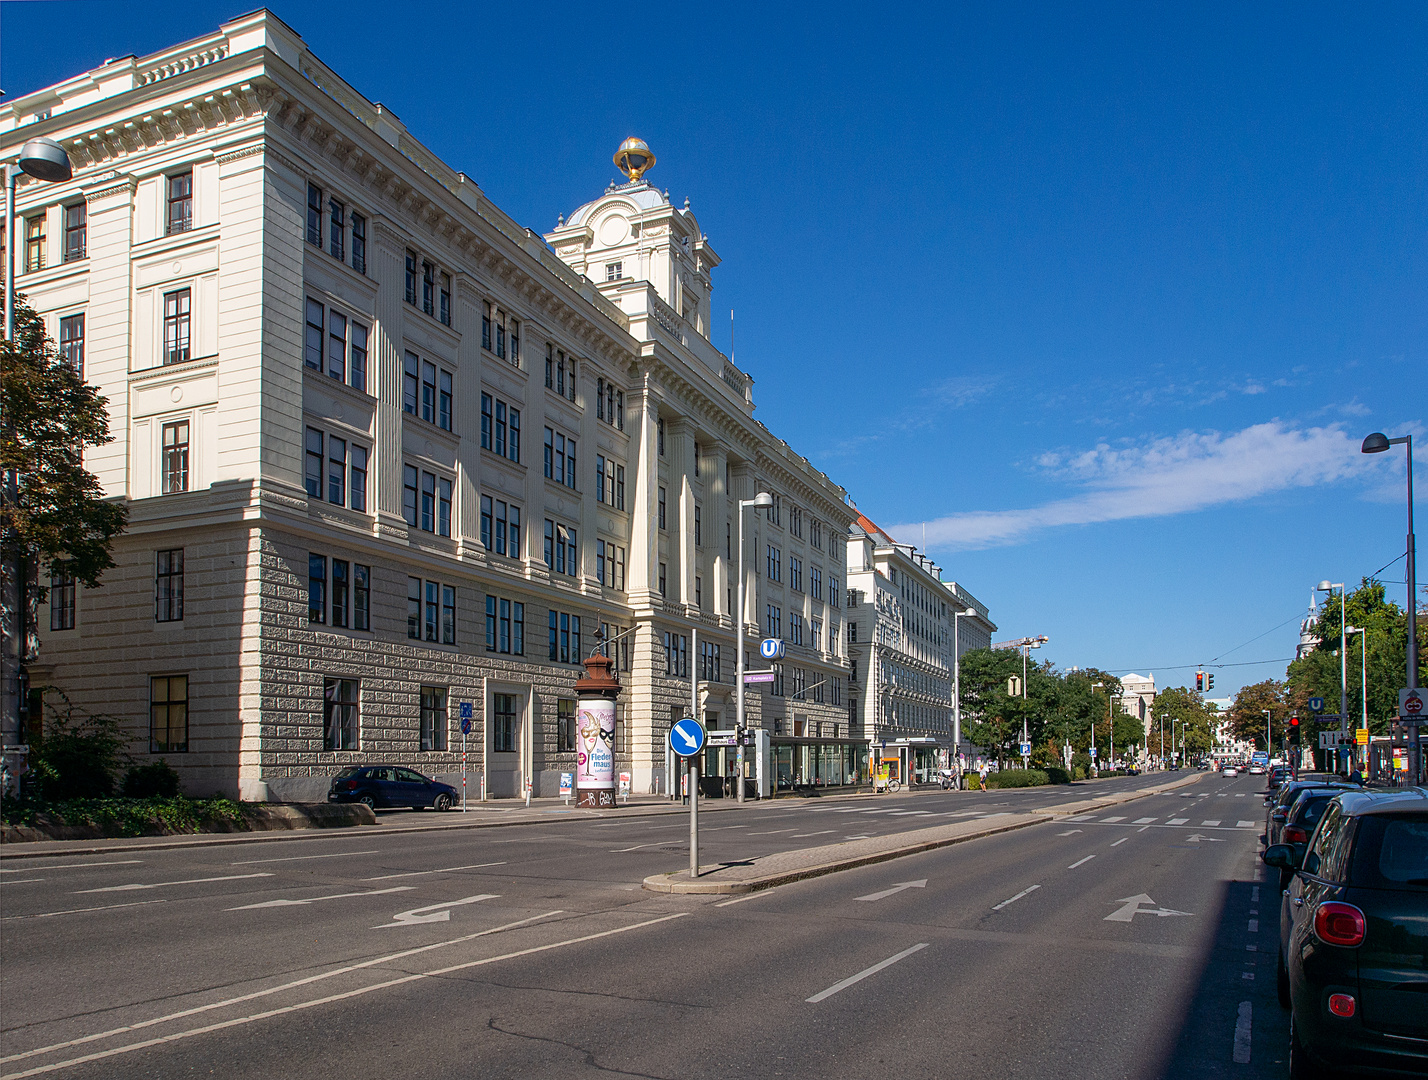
(466, 725)
(686, 737)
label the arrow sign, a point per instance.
(315, 899)
(686, 737)
(1133, 907)
(1209, 839)
(894, 890)
(419, 915)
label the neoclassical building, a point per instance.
(387, 452)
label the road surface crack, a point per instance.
(493, 1025)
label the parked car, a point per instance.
(1352, 936)
(390, 785)
(1279, 805)
(1278, 774)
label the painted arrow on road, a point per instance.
(1133, 907)
(1198, 837)
(315, 899)
(1069, 832)
(895, 889)
(432, 912)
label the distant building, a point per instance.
(1308, 630)
(1138, 698)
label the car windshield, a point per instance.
(1391, 851)
(351, 770)
(1308, 811)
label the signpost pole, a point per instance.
(694, 816)
(463, 772)
(687, 739)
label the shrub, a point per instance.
(157, 778)
(1057, 775)
(1081, 761)
(1078, 773)
(78, 755)
(1015, 778)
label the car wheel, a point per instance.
(1282, 982)
(366, 800)
(442, 803)
(1300, 1065)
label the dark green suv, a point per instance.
(1353, 938)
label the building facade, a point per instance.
(1138, 699)
(386, 452)
(902, 644)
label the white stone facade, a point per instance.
(314, 337)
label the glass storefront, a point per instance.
(802, 763)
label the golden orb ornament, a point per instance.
(634, 158)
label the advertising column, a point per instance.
(595, 735)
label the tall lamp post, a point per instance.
(762, 501)
(46, 160)
(1110, 724)
(1377, 443)
(1363, 676)
(1329, 587)
(1268, 732)
(957, 683)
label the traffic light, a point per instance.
(1294, 730)
(1200, 682)
(1209, 682)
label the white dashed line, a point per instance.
(1081, 862)
(1121, 841)
(1014, 899)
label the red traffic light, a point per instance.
(1294, 721)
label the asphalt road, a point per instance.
(1122, 945)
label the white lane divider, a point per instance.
(1112, 820)
(432, 913)
(1081, 862)
(300, 858)
(1177, 821)
(316, 899)
(1243, 1028)
(802, 835)
(1209, 824)
(1121, 841)
(165, 884)
(1142, 821)
(1014, 899)
(30, 869)
(80, 911)
(893, 891)
(443, 870)
(840, 986)
(1070, 832)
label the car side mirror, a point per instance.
(1279, 816)
(1282, 856)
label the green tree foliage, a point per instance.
(1247, 719)
(58, 517)
(1318, 673)
(1188, 707)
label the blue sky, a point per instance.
(1105, 298)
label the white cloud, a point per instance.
(1180, 474)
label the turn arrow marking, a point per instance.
(1132, 907)
(1198, 837)
(895, 889)
(438, 912)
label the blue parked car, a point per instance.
(390, 785)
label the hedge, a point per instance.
(1015, 778)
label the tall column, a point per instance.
(467, 420)
(717, 528)
(679, 451)
(643, 578)
(386, 267)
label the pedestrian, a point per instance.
(982, 774)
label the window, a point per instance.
(795, 574)
(414, 608)
(444, 302)
(775, 621)
(663, 570)
(778, 680)
(615, 643)
(795, 628)
(359, 243)
(698, 526)
(561, 550)
(661, 508)
(431, 611)
(426, 500)
(505, 625)
(62, 600)
(852, 633)
(317, 588)
(500, 526)
(835, 690)
(76, 232)
(501, 428)
(795, 521)
(428, 288)
(609, 564)
(314, 215)
(180, 204)
(345, 481)
(336, 470)
(833, 591)
(710, 667)
(168, 586)
(565, 724)
(444, 402)
(361, 597)
(516, 354)
(815, 537)
(411, 478)
(411, 277)
(614, 271)
(71, 342)
(816, 633)
(312, 347)
(699, 593)
(339, 714)
(659, 435)
(676, 655)
(800, 682)
(619, 487)
(175, 457)
(357, 489)
(337, 346)
(337, 230)
(559, 458)
(341, 592)
(775, 563)
(433, 718)
(177, 319)
(168, 714)
(815, 583)
(411, 383)
(486, 327)
(428, 392)
(565, 637)
(503, 723)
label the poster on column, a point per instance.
(595, 760)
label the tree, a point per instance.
(1247, 719)
(1189, 708)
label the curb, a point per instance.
(672, 883)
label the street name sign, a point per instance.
(759, 677)
(687, 737)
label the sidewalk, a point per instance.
(783, 867)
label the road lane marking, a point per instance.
(893, 891)
(315, 899)
(1081, 817)
(1254, 894)
(1131, 906)
(1018, 896)
(164, 884)
(1070, 832)
(1112, 820)
(1254, 926)
(1081, 862)
(771, 832)
(298, 858)
(1142, 821)
(30, 869)
(637, 847)
(443, 870)
(433, 913)
(80, 911)
(237, 1021)
(802, 835)
(21, 881)
(1244, 824)
(1177, 821)
(1121, 841)
(904, 813)
(1210, 824)
(840, 986)
(858, 836)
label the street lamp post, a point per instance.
(1110, 724)
(46, 160)
(1363, 676)
(762, 501)
(957, 683)
(1329, 587)
(1377, 443)
(1268, 732)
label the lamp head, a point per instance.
(969, 611)
(45, 159)
(1324, 586)
(1376, 443)
(763, 500)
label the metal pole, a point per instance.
(694, 815)
(1343, 672)
(463, 772)
(956, 688)
(11, 175)
(739, 661)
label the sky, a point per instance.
(1094, 302)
